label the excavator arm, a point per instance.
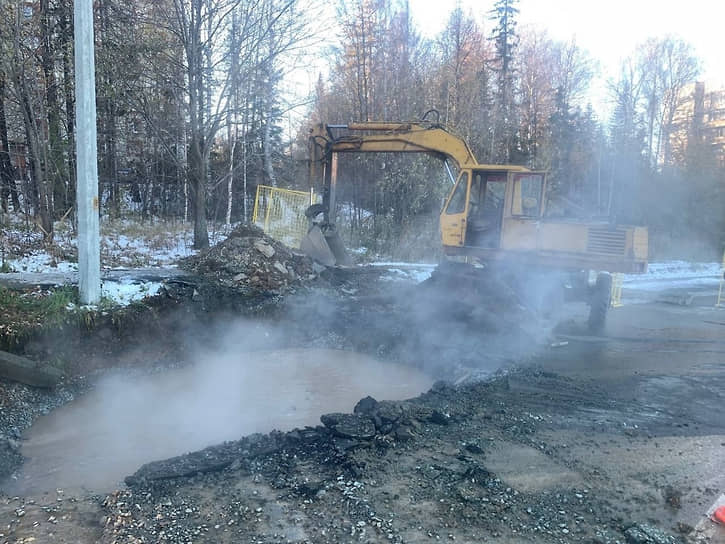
(389, 138)
(326, 141)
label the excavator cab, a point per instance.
(484, 200)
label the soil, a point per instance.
(533, 434)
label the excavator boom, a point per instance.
(393, 138)
(325, 141)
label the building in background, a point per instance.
(700, 118)
(714, 123)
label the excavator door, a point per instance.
(454, 217)
(485, 209)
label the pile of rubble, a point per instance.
(249, 260)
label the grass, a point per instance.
(23, 312)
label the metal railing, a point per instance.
(281, 213)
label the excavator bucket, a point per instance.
(323, 244)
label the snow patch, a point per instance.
(125, 292)
(674, 274)
(410, 272)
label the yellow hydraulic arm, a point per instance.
(325, 141)
(390, 138)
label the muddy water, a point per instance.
(94, 442)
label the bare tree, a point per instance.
(680, 68)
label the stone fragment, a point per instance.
(643, 533)
(366, 406)
(389, 412)
(439, 418)
(349, 425)
(264, 248)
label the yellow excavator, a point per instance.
(494, 214)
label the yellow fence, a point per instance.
(281, 213)
(721, 291)
(616, 300)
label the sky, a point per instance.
(609, 30)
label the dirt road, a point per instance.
(592, 439)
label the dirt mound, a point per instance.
(249, 260)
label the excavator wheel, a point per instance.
(600, 298)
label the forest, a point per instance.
(198, 102)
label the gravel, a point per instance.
(20, 405)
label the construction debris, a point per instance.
(249, 260)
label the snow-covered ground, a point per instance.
(658, 275)
(661, 277)
(124, 244)
(674, 274)
(410, 272)
(128, 244)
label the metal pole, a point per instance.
(89, 258)
(333, 186)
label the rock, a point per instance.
(344, 445)
(310, 489)
(647, 534)
(439, 418)
(476, 474)
(404, 433)
(684, 528)
(280, 267)
(673, 497)
(389, 411)
(349, 425)
(212, 459)
(474, 448)
(264, 248)
(366, 406)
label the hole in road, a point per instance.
(95, 441)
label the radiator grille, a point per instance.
(606, 241)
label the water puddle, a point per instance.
(95, 441)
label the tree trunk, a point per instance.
(197, 183)
(42, 193)
(67, 34)
(54, 148)
(267, 143)
(230, 178)
(7, 177)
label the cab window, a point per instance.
(527, 195)
(457, 203)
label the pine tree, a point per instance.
(506, 40)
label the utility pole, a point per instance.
(89, 257)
